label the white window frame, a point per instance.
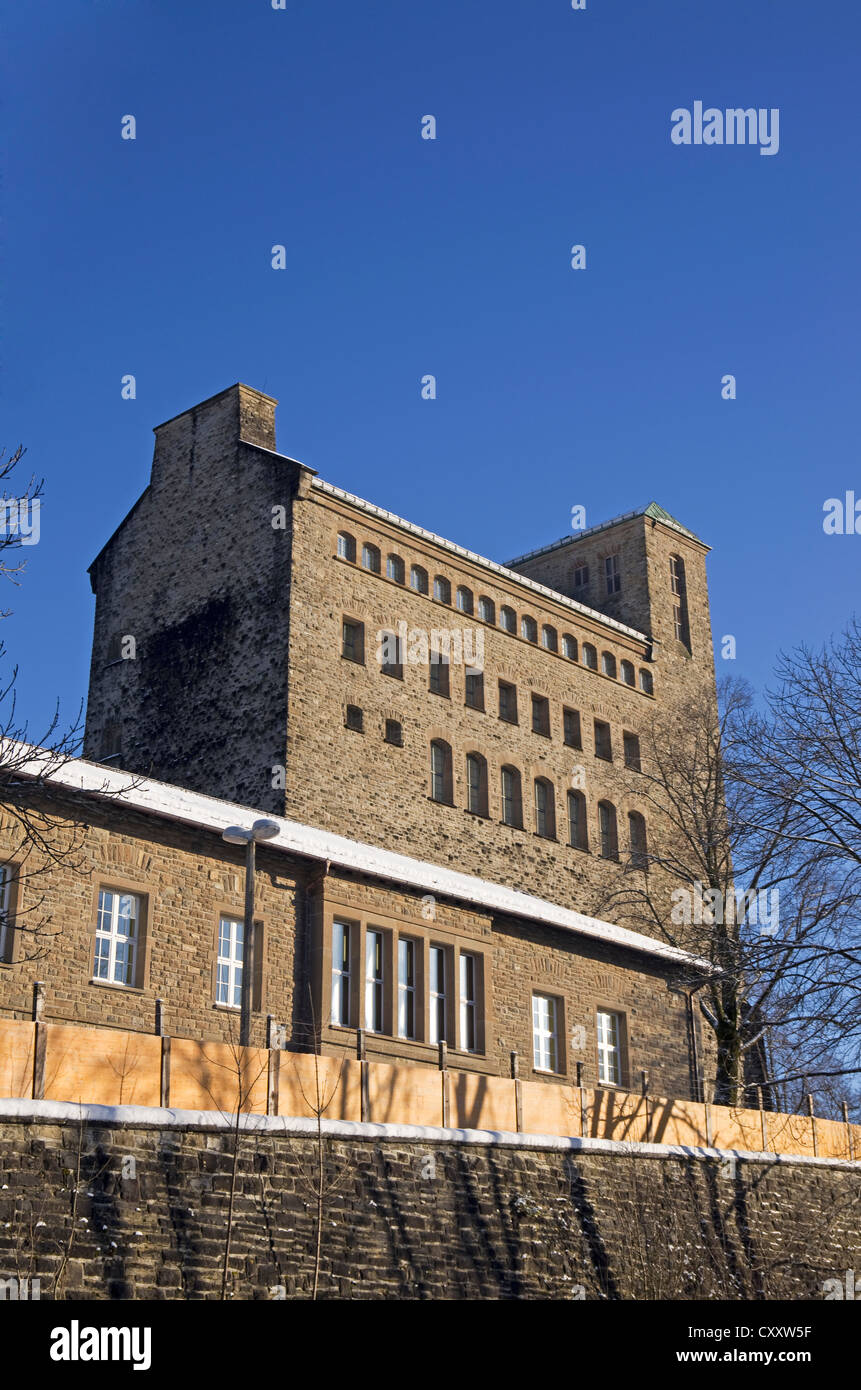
(229, 966)
(116, 945)
(5, 899)
(374, 981)
(468, 1002)
(609, 1034)
(545, 1033)
(341, 974)
(437, 994)
(407, 970)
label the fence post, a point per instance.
(579, 1066)
(443, 1066)
(644, 1088)
(38, 1000)
(812, 1124)
(273, 1042)
(762, 1124)
(164, 1081)
(708, 1110)
(364, 1086)
(848, 1132)
(518, 1093)
(159, 1018)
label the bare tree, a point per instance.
(722, 876)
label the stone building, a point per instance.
(280, 637)
(446, 742)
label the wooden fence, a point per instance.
(106, 1066)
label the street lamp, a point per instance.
(236, 835)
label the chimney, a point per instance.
(211, 431)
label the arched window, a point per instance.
(608, 664)
(679, 589)
(441, 590)
(512, 806)
(507, 619)
(464, 599)
(346, 546)
(590, 656)
(627, 669)
(646, 684)
(545, 809)
(371, 558)
(637, 840)
(607, 830)
(529, 629)
(549, 639)
(476, 783)
(569, 646)
(487, 610)
(395, 568)
(441, 783)
(419, 579)
(578, 835)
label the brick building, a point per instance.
(447, 744)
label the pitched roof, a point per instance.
(174, 803)
(653, 510)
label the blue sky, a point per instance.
(405, 257)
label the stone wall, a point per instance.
(138, 1210)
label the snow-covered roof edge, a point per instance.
(520, 579)
(193, 808)
(157, 1117)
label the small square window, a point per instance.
(355, 719)
(394, 733)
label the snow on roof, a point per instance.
(520, 579)
(192, 808)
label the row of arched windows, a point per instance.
(419, 581)
(543, 805)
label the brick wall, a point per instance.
(411, 1218)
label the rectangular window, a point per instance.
(468, 1003)
(603, 742)
(475, 689)
(374, 981)
(612, 575)
(545, 1032)
(5, 902)
(508, 702)
(228, 968)
(436, 1019)
(581, 577)
(541, 715)
(353, 641)
(609, 1050)
(438, 682)
(341, 973)
(631, 745)
(116, 937)
(406, 988)
(571, 728)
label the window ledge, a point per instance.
(116, 984)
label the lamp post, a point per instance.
(236, 835)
